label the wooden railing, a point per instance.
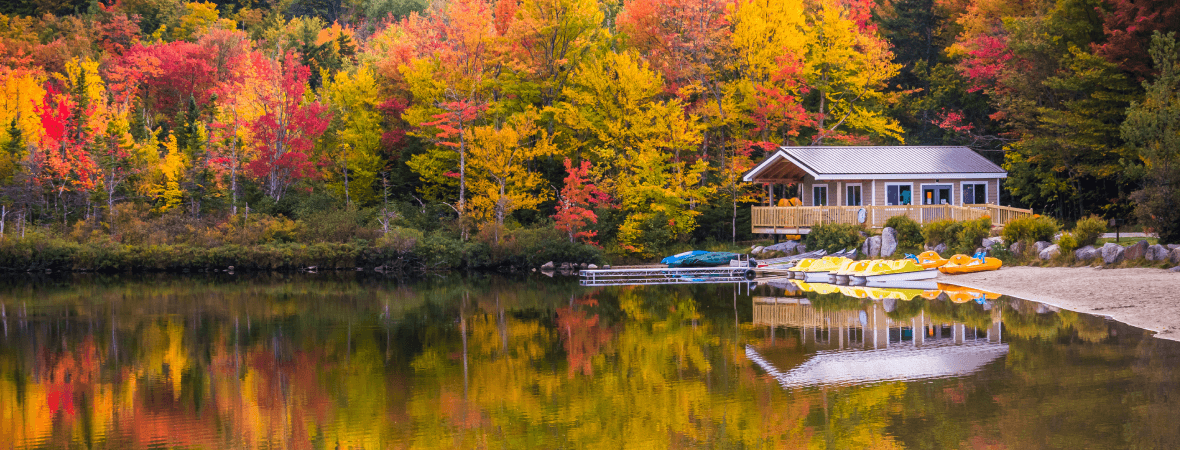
(875, 216)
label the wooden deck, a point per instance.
(800, 219)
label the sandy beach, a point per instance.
(1145, 298)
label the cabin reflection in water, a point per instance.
(807, 346)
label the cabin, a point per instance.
(869, 184)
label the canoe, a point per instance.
(971, 265)
(674, 260)
(710, 259)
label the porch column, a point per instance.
(839, 191)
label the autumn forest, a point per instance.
(607, 126)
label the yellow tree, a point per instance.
(355, 133)
(502, 182)
(847, 65)
(640, 143)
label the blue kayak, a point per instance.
(674, 260)
(708, 259)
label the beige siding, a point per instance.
(873, 191)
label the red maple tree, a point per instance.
(578, 197)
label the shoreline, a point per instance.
(1140, 297)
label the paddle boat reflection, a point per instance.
(810, 346)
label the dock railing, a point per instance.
(794, 217)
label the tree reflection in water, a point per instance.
(355, 361)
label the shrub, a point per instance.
(940, 232)
(1032, 228)
(834, 237)
(909, 233)
(1088, 230)
(1067, 242)
(971, 233)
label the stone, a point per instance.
(989, 242)
(787, 247)
(1135, 251)
(1085, 253)
(888, 242)
(582, 266)
(564, 266)
(1174, 269)
(757, 249)
(1041, 245)
(592, 266)
(231, 268)
(1112, 253)
(872, 247)
(801, 248)
(1017, 248)
(1049, 252)
(1175, 255)
(606, 266)
(547, 266)
(1156, 253)
(940, 248)
(1173, 246)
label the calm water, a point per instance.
(354, 361)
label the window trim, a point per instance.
(922, 187)
(976, 183)
(827, 194)
(862, 193)
(910, 185)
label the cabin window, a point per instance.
(819, 195)
(899, 194)
(852, 195)
(974, 193)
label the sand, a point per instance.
(1145, 298)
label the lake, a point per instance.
(363, 361)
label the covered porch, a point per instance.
(800, 219)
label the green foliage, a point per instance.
(1067, 242)
(940, 232)
(909, 232)
(1088, 230)
(834, 237)
(1153, 126)
(970, 234)
(1030, 229)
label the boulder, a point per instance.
(1173, 246)
(989, 242)
(1017, 248)
(871, 247)
(564, 266)
(1174, 269)
(1174, 256)
(801, 248)
(1135, 251)
(592, 266)
(757, 249)
(940, 248)
(547, 266)
(606, 266)
(1085, 253)
(582, 266)
(1041, 245)
(1049, 252)
(888, 241)
(1112, 253)
(1156, 253)
(787, 247)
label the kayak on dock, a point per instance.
(707, 259)
(674, 260)
(968, 264)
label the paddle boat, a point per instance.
(928, 259)
(892, 271)
(820, 270)
(843, 274)
(968, 264)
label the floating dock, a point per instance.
(685, 275)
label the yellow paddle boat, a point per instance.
(893, 271)
(843, 274)
(931, 260)
(966, 264)
(820, 270)
(959, 294)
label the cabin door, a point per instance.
(936, 194)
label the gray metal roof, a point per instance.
(891, 160)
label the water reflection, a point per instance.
(350, 361)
